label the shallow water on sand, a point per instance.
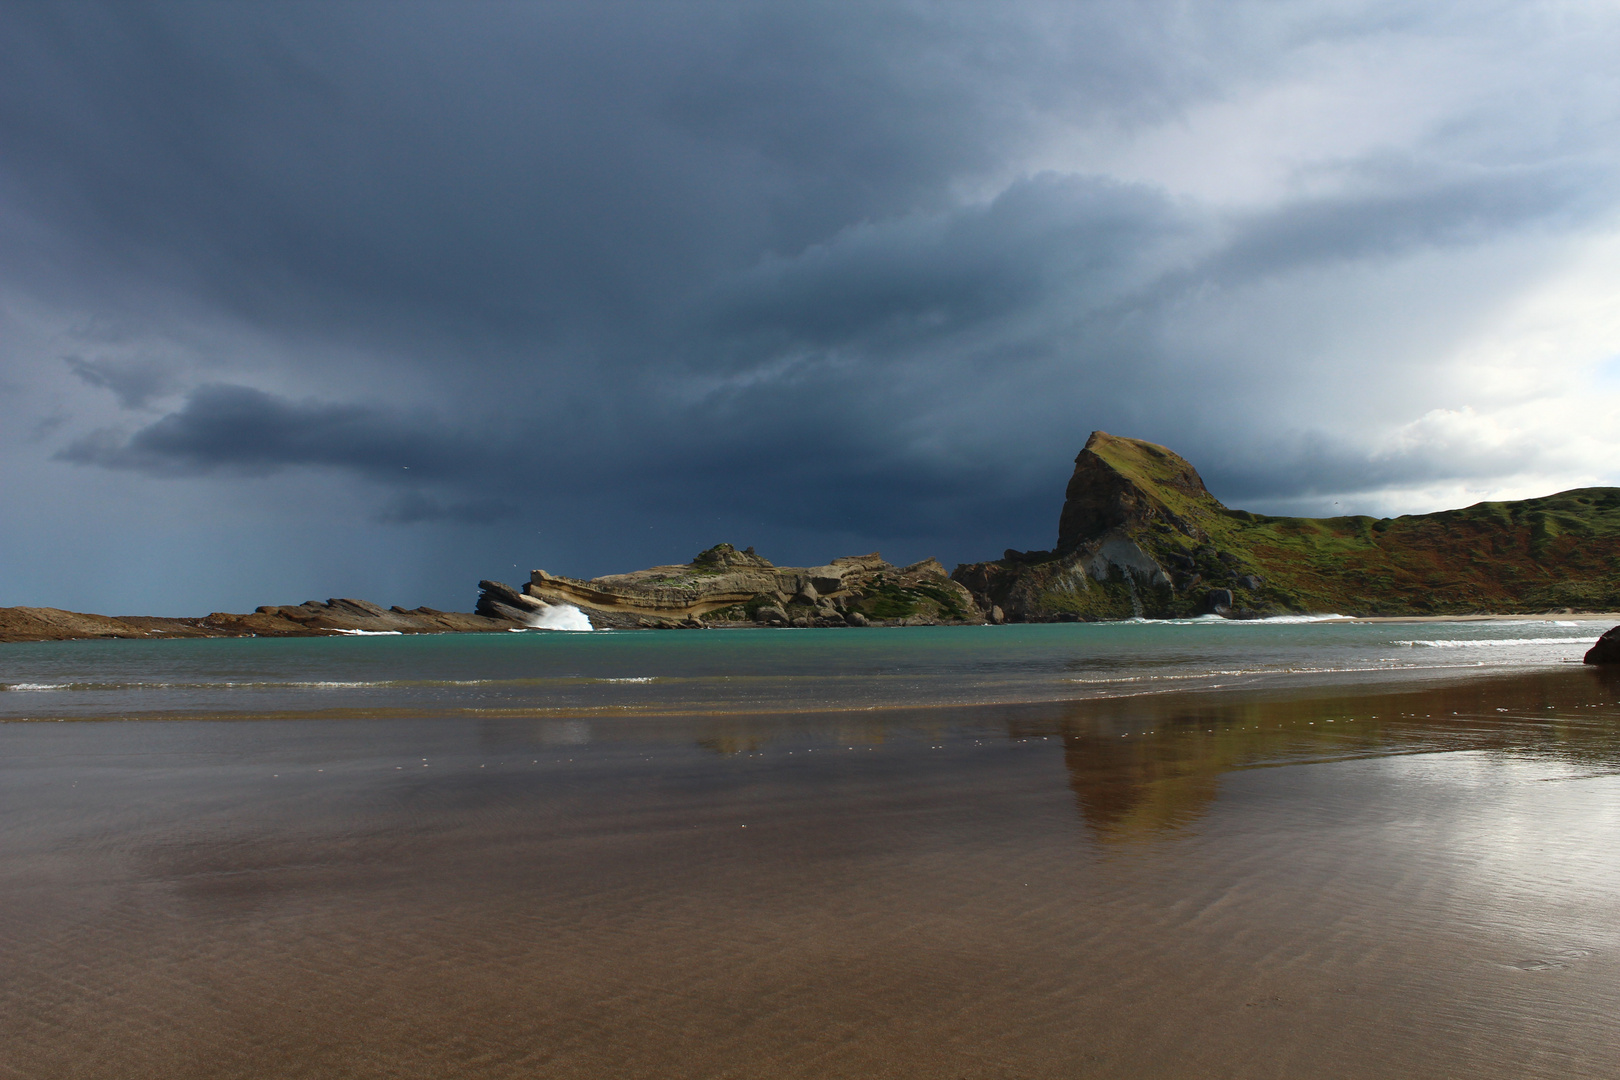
(1283, 879)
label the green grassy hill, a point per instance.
(1535, 555)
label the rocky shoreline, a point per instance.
(721, 588)
(311, 619)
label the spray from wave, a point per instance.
(559, 617)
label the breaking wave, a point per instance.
(1482, 643)
(1221, 620)
(560, 617)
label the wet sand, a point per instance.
(1332, 882)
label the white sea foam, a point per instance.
(327, 685)
(559, 617)
(638, 678)
(1285, 620)
(1227, 673)
(36, 686)
(1221, 620)
(1484, 643)
(370, 633)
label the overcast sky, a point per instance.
(310, 300)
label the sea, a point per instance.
(1278, 848)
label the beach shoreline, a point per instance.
(35, 624)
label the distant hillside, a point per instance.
(1139, 534)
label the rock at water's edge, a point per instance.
(1607, 649)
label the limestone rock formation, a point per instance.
(726, 587)
(339, 616)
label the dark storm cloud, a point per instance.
(925, 277)
(1312, 465)
(133, 382)
(781, 260)
(247, 431)
(1425, 210)
(412, 507)
(535, 169)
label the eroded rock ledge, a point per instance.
(309, 619)
(726, 587)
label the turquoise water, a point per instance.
(748, 670)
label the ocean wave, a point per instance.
(1481, 643)
(559, 617)
(369, 633)
(1225, 673)
(311, 684)
(326, 684)
(1221, 620)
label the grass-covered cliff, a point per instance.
(1139, 534)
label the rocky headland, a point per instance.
(1139, 535)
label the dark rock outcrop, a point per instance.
(1107, 494)
(1606, 651)
(340, 616)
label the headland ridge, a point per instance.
(1140, 535)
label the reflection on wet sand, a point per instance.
(1334, 883)
(1144, 764)
(1140, 766)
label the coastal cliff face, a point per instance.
(723, 586)
(1139, 535)
(1124, 484)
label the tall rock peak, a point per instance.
(1126, 484)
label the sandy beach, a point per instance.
(1244, 884)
